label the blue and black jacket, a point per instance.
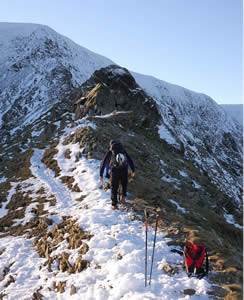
(106, 161)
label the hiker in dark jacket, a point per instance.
(118, 161)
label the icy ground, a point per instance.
(118, 244)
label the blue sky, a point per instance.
(193, 43)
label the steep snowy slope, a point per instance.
(38, 68)
(202, 130)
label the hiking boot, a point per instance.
(122, 199)
(114, 207)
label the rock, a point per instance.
(76, 188)
(85, 206)
(81, 198)
(84, 248)
(217, 291)
(61, 286)
(2, 250)
(119, 256)
(64, 264)
(98, 267)
(75, 241)
(106, 185)
(169, 269)
(78, 156)
(80, 264)
(47, 252)
(172, 231)
(72, 290)
(234, 296)
(67, 154)
(37, 296)
(10, 280)
(189, 292)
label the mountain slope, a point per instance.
(114, 246)
(188, 157)
(202, 128)
(38, 68)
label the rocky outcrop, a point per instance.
(75, 237)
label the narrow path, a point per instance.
(116, 250)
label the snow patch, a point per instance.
(230, 219)
(178, 206)
(165, 134)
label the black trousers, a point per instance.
(119, 179)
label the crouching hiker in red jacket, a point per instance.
(118, 161)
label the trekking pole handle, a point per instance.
(146, 213)
(146, 216)
(158, 218)
(146, 224)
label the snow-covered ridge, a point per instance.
(164, 92)
(202, 129)
(32, 36)
(191, 116)
(39, 67)
(35, 61)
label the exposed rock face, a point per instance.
(115, 90)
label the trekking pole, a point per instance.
(157, 219)
(146, 217)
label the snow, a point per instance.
(170, 179)
(36, 50)
(196, 185)
(166, 135)
(3, 210)
(117, 245)
(111, 114)
(163, 163)
(183, 173)
(131, 134)
(230, 219)
(178, 206)
(194, 123)
(119, 71)
(3, 179)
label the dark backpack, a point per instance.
(194, 256)
(117, 149)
